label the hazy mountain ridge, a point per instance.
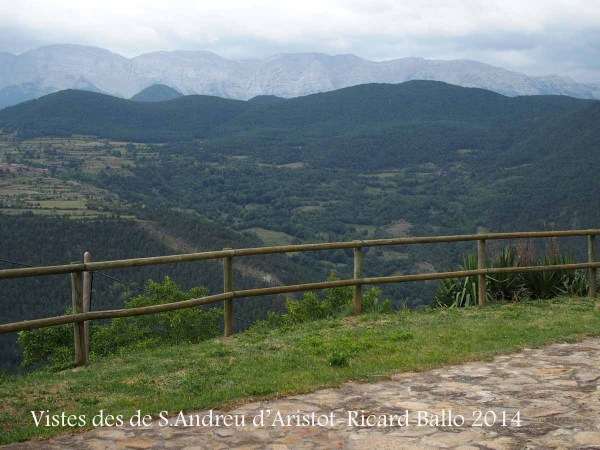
(59, 67)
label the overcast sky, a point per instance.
(536, 37)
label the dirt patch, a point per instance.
(399, 228)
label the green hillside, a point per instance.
(156, 93)
(359, 111)
(376, 126)
(80, 112)
(553, 174)
(366, 105)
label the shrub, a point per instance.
(371, 304)
(184, 325)
(506, 286)
(53, 346)
(337, 302)
(544, 285)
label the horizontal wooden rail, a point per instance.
(112, 314)
(131, 312)
(408, 278)
(187, 257)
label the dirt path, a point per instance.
(555, 391)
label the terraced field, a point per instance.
(43, 176)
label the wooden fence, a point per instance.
(81, 285)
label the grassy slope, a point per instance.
(224, 372)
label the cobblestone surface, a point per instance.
(555, 389)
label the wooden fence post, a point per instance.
(228, 287)
(357, 289)
(593, 292)
(79, 333)
(481, 264)
(86, 297)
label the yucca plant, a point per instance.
(544, 285)
(459, 292)
(576, 284)
(506, 286)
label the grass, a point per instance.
(270, 237)
(266, 363)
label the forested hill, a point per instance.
(157, 93)
(555, 170)
(366, 109)
(80, 112)
(368, 105)
(378, 126)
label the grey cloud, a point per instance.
(533, 37)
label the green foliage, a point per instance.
(53, 346)
(544, 285)
(400, 336)
(575, 284)
(337, 302)
(184, 325)
(38, 241)
(548, 284)
(371, 304)
(460, 292)
(338, 359)
(508, 287)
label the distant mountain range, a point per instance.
(58, 67)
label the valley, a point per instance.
(84, 171)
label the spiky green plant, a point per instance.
(509, 286)
(576, 284)
(459, 292)
(544, 285)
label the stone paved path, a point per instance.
(556, 389)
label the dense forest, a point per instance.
(418, 158)
(33, 240)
